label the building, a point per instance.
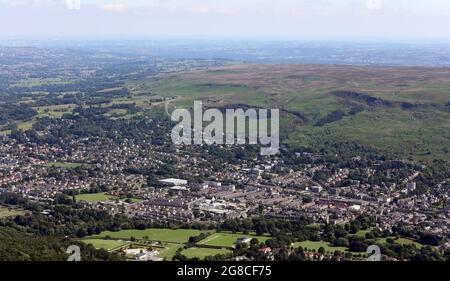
(316, 189)
(174, 182)
(411, 186)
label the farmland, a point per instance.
(316, 245)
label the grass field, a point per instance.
(225, 239)
(401, 241)
(166, 235)
(105, 244)
(315, 245)
(95, 197)
(201, 253)
(169, 250)
(32, 82)
(362, 233)
(7, 212)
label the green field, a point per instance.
(401, 241)
(9, 212)
(201, 253)
(315, 245)
(362, 233)
(225, 239)
(105, 244)
(152, 234)
(95, 197)
(32, 82)
(421, 132)
(169, 250)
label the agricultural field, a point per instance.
(201, 253)
(33, 82)
(180, 236)
(402, 111)
(225, 239)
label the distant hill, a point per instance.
(400, 110)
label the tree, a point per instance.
(321, 250)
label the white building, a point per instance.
(174, 182)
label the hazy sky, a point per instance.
(295, 19)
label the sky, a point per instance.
(290, 19)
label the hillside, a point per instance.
(403, 111)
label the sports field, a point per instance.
(169, 250)
(152, 234)
(201, 253)
(226, 239)
(94, 197)
(105, 244)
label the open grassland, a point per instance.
(152, 234)
(105, 244)
(225, 239)
(410, 118)
(201, 253)
(401, 241)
